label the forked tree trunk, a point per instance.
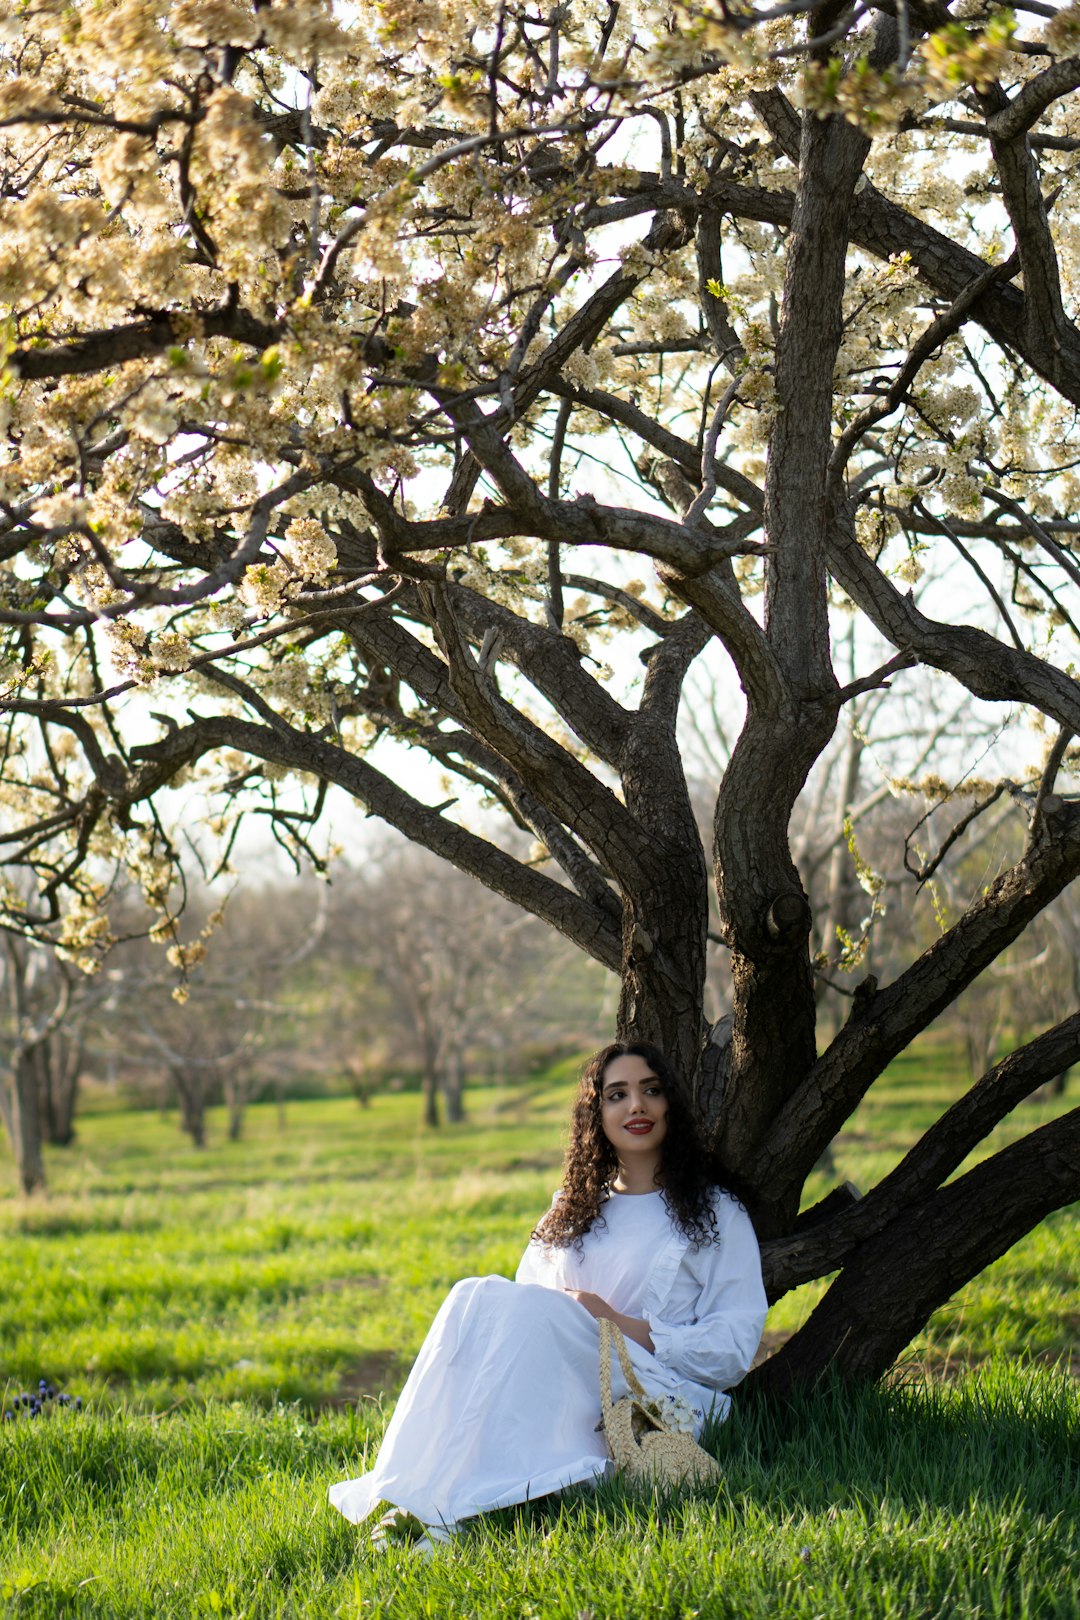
(916, 1237)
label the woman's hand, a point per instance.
(631, 1326)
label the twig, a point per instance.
(877, 677)
(1045, 797)
(927, 870)
(976, 568)
(700, 504)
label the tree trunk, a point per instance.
(25, 1122)
(429, 1086)
(663, 977)
(792, 692)
(58, 1062)
(664, 880)
(453, 1088)
(234, 1101)
(189, 1090)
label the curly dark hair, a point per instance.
(686, 1176)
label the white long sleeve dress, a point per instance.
(503, 1400)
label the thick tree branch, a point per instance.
(565, 785)
(885, 1021)
(789, 1261)
(981, 663)
(586, 522)
(100, 351)
(1009, 119)
(932, 1248)
(276, 742)
(1044, 315)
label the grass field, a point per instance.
(239, 1320)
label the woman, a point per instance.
(503, 1400)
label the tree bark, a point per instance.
(430, 1090)
(927, 1252)
(190, 1091)
(766, 916)
(822, 1245)
(884, 1021)
(25, 1122)
(453, 1087)
(58, 1062)
(665, 903)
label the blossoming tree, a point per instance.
(373, 372)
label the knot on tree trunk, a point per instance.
(788, 918)
(862, 998)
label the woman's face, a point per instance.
(633, 1108)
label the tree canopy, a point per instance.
(394, 374)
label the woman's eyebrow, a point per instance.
(621, 1085)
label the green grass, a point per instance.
(308, 1262)
(291, 1265)
(913, 1501)
(240, 1320)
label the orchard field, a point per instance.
(238, 1321)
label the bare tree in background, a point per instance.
(223, 1037)
(460, 972)
(47, 1007)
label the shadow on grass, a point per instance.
(1004, 1435)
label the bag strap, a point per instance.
(605, 1373)
(611, 1331)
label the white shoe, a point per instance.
(398, 1531)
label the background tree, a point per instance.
(375, 377)
(458, 973)
(230, 1032)
(48, 1008)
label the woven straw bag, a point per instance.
(641, 1445)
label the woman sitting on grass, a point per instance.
(503, 1400)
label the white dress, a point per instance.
(503, 1400)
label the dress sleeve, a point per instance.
(717, 1343)
(535, 1265)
